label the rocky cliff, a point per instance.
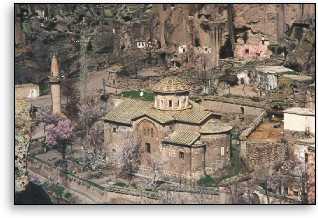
(94, 36)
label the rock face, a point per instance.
(186, 35)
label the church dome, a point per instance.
(171, 93)
(171, 85)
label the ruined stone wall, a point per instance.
(263, 155)
(311, 175)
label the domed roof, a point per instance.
(171, 85)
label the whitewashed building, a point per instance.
(141, 44)
(299, 119)
(267, 76)
(243, 77)
(182, 49)
(28, 90)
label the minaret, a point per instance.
(54, 80)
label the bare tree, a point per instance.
(89, 113)
(157, 167)
(96, 138)
(129, 157)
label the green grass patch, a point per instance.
(121, 184)
(44, 88)
(207, 181)
(135, 94)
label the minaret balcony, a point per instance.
(54, 79)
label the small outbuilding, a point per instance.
(299, 120)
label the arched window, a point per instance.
(170, 103)
(181, 155)
(147, 147)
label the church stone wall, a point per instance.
(116, 137)
(217, 152)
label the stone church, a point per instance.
(174, 134)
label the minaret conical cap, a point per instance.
(55, 68)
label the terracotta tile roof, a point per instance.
(171, 85)
(213, 127)
(160, 116)
(126, 111)
(132, 109)
(182, 137)
(195, 115)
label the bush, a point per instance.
(67, 195)
(147, 96)
(206, 181)
(121, 184)
(44, 88)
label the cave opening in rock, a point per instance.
(163, 57)
(226, 50)
(197, 42)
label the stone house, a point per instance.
(141, 44)
(28, 90)
(182, 49)
(252, 50)
(173, 133)
(267, 76)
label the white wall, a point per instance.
(295, 122)
(34, 92)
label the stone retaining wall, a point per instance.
(111, 194)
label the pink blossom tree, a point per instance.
(59, 134)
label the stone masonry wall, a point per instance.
(262, 155)
(122, 195)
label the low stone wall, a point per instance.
(253, 125)
(111, 194)
(271, 198)
(101, 194)
(263, 155)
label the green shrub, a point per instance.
(121, 184)
(206, 181)
(67, 195)
(147, 96)
(44, 88)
